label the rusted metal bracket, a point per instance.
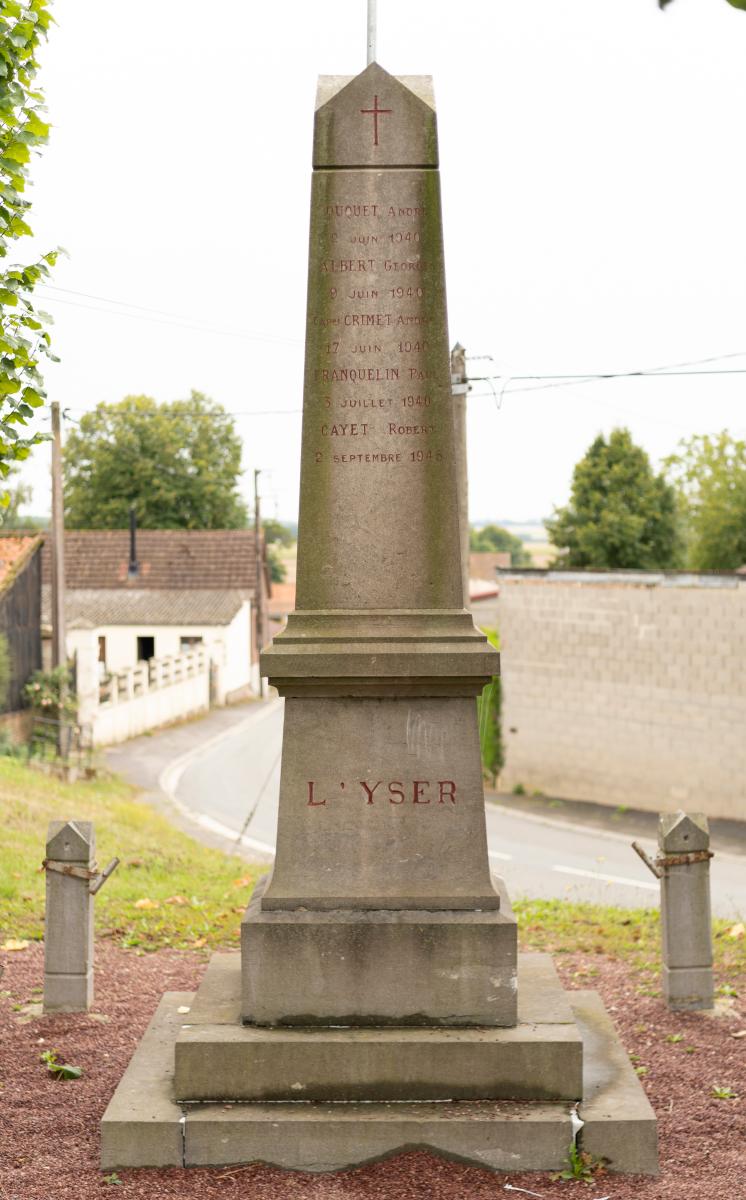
(683, 860)
(652, 865)
(61, 868)
(100, 880)
(95, 878)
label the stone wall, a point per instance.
(625, 689)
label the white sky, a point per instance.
(592, 155)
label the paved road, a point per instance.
(232, 785)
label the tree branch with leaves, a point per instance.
(24, 340)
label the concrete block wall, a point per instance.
(625, 690)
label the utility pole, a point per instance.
(57, 545)
(258, 554)
(460, 386)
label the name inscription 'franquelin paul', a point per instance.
(395, 791)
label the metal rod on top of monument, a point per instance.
(372, 31)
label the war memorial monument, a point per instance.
(379, 1002)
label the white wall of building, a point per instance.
(229, 647)
(119, 722)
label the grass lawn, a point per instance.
(168, 889)
(171, 891)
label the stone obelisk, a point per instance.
(381, 799)
(376, 1006)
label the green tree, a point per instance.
(733, 3)
(709, 474)
(23, 130)
(19, 494)
(275, 533)
(495, 539)
(177, 463)
(620, 513)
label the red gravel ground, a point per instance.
(49, 1130)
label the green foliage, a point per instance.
(493, 538)
(489, 715)
(50, 695)
(11, 518)
(733, 3)
(277, 569)
(57, 1069)
(177, 463)
(620, 514)
(23, 130)
(582, 1167)
(277, 534)
(5, 671)
(709, 475)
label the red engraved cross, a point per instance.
(375, 112)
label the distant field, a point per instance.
(542, 553)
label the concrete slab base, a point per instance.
(218, 1058)
(144, 1126)
(379, 966)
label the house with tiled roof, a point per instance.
(156, 593)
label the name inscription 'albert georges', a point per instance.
(395, 791)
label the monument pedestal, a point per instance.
(378, 967)
(205, 1089)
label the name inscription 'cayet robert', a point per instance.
(395, 791)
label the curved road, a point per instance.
(232, 785)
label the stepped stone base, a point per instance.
(379, 967)
(145, 1126)
(218, 1058)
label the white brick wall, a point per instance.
(624, 692)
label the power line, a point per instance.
(174, 319)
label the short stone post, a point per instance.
(68, 922)
(684, 860)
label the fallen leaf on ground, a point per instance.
(239, 883)
(740, 1033)
(737, 931)
(176, 900)
(183, 1008)
(199, 943)
(15, 944)
(146, 903)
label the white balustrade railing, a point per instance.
(145, 677)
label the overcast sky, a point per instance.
(593, 178)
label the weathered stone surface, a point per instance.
(387, 807)
(217, 1058)
(503, 1135)
(374, 967)
(71, 841)
(341, 102)
(380, 664)
(688, 989)
(620, 1124)
(68, 993)
(68, 919)
(142, 1126)
(686, 921)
